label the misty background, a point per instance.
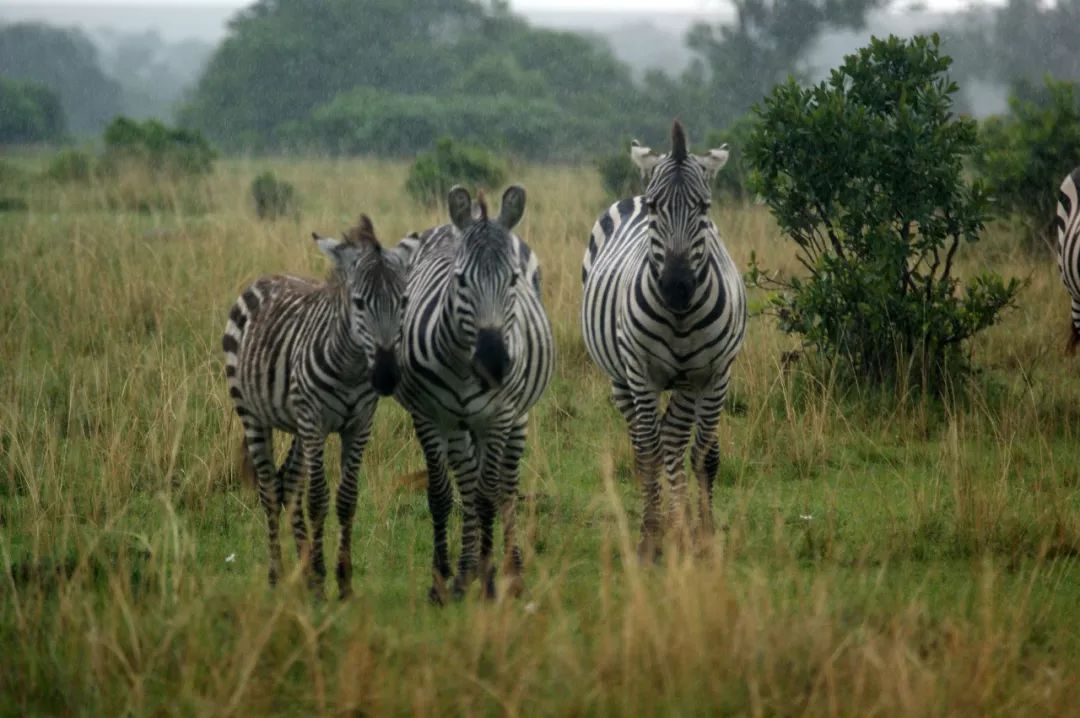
(283, 74)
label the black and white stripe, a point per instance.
(477, 355)
(311, 359)
(1068, 231)
(665, 310)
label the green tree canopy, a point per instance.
(65, 62)
(29, 113)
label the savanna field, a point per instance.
(879, 553)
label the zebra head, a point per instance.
(374, 281)
(677, 199)
(486, 272)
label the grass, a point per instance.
(878, 556)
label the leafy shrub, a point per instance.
(273, 198)
(451, 163)
(161, 149)
(620, 176)
(864, 172)
(30, 113)
(1026, 154)
(70, 166)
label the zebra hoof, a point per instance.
(515, 587)
(648, 550)
(437, 596)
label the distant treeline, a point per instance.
(390, 77)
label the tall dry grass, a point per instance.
(876, 555)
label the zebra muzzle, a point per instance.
(677, 284)
(385, 373)
(490, 358)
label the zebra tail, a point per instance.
(1074, 339)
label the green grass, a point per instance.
(877, 555)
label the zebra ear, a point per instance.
(714, 160)
(644, 158)
(513, 206)
(460, 205)
(338, 251)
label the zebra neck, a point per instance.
(342, 350)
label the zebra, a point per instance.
(312, 359)
(477, 354)
(664, 310)
(1068, 231)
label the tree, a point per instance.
(29, 113)
(65, 62)
(290, 67)
(740, 63)
(865, 173)
(1027, 153)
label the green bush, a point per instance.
(451, 163)
(620, 176)
(865, 173)
(70, 166)
(29, 113)
(273, 198)
(1026, 154)
(154, 146)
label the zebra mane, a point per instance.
(678, 142)
(481, 209)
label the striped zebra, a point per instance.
(1068, 231)
(312, 359)
(664, 310)
(477, 354)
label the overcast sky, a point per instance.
(680, 6)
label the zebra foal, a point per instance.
(664, 310)
(1068, 231)
(477, 355)
(312, 359)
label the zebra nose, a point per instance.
(677, 284)
(385, 374)
(490, 358)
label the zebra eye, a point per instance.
(358, 302)
(705, 204)
(513, 279)
(461, 281)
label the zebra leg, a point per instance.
(317, 505)
(675, 431)
(705, 454)
(261, 449)
(463, 460)
(512, 559)
(290, 476)
(440, 501)
(645, 436)
(490, 498)
(353, 442)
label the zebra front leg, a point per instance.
(353, 442)
(318, 504)
(705, 455)
(675, 431)
(440, 501)
(491, 490)
(512, 453)
(645, 436)
(463, 459)
(260, 448)
(290, 478)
